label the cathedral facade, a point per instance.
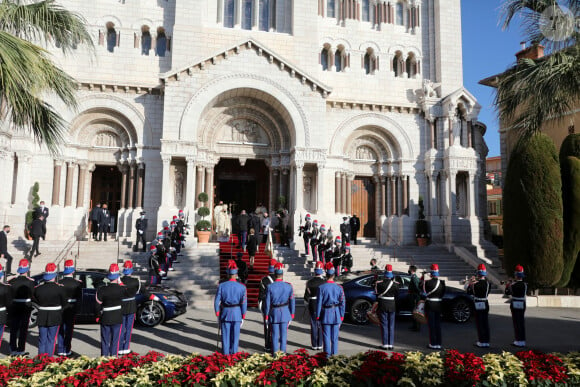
(327, 107)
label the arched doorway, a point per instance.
(106, 189)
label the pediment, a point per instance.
(260, 49)
(461, 96)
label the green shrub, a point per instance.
(203, 225)
(532, 197)
(33, 204)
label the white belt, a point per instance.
(479, 299)
(518, 298)
(22, 300)
(313, 298)
(110, 308)
(128, 299)
(72, 300)
(387, 298)
(50, 307)
(434, 299)
(2, 309)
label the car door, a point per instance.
(92, 281)
(404, 302)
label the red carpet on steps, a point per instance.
(229, 250)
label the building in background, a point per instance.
(494, 186)
(337, 106)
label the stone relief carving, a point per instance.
(106, 139)
(245, 132)
(307, 190)
(178, 183)
(365, 153)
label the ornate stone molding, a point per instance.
(310, 155)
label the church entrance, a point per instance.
(106, 189)
(363, 204)
(242, 187)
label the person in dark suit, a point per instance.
(141, 227)
(103, 220)
(94, 215)
(37, 230)
(4, 249)
(242, 268)
(433, 291)
(354, 227)
(242, 223)
(50, 298)
(345, 232)
(22, 289)
(73, 290)
(5, 301)
(41, 210)
(252, 247)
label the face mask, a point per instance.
(7, 231)
(142, 216)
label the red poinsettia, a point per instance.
(463, 369)
(199, 370)
(541, 367)
(24, 367)
(379, 369)
(291, 370)
(109, 370)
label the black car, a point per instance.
(360, 296)
(155, 303)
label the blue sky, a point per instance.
(487, 50)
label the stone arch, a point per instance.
(369, 44)
(381, 129)
(263, 88)
(102, 128)
(102, 21)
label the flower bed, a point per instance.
(373, 368)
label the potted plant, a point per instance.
(203, 226)
(30, 213)
(422, 226)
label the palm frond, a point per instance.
(44, 22)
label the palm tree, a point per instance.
(534, 91)
(27, 73)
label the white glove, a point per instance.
(242, 324)
(140, 231)
(161, 273)
(289, 322)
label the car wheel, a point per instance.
(150, 314)
(460, 311)
(33, 321)
(358, 311)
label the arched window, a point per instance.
(399, 14)
(324, 58)
(411, 65)
(398, 65)
(111, 37)
(264, 23)
(284, 16)
(330, 8)
(161, 46)
(370, 61)
(366, 10)
(229, 9)
(247, 14)
(339, 59)
(145, 40)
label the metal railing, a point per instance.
(66, 251)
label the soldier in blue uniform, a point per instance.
(129, 306)
(73, 290)
(5, 302)
(387, 291)
(280, 308)
(433, 291)
(230, 306)
(50, 298)
(22, 288)
(330, 309)
(518, 291)
(311, 297)
(479, 288)
(110, 298)
(266, 281)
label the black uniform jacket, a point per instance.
(111, 297)
(311, 293)
(141, 224)
(264, 283)
(22, 288)
(73, 291)
(50, 298)
(434, 294)
(5, 301)
(386, 298)
(132, 286)
(480, 291)
(518, 290)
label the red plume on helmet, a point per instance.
(279, 266)
(232, 264)
(273, 262)
(319, 265)
(329, 266)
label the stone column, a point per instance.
(433, 134)
(383, 196)
(81, 184)
(433, 199)
(337, 192)
(56, 182)
(274, 185)
(285, 185)
(190, 183)
(349, 180)
(405, 204)
(131, 186)
(320, 188)
(7, 168)
(343, 179)
(124, 172)
(272, 190)
(471, 195)
(393, 195)
(451, 192)
(209, 185)
(165, 189)
(140, 178)
(299, 200)
(199, 183)
(70, 172)
(22, 179)
(281, 184)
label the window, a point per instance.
(330, 8)
(369, 62)
(247, 14)
(111, 37)
(399, 14)
(284, 16)
(324, 59)
(494, 207)
(411, 65)
(366, 10)
(398, 64)
(339, 60)
(229, 8)
(161, 46)
(145, 40)
(264, 15)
